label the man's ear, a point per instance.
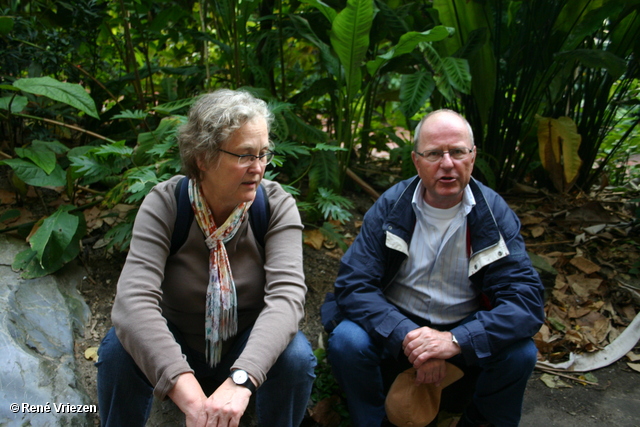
(414, 158)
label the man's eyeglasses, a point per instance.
(437, 155)
(247, 159)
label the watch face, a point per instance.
(240, 377)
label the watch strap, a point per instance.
(248, 383)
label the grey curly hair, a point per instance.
(211, 121)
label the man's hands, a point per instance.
(427, 349)
(223, 408)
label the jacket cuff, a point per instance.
(473, 341)
(394, 342)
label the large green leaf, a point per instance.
(42, 157)
(32, 174)
(55, 146)
(467, 17)
(6, 25)
(407, 44)
(324, 171)
(68, 93)
(350, 40)
(457, 72)
(30, 263)
(54, 235)
(595, 58)
(324, 8)
(303, 130)
(440, 76)
(415, 90)
(581, 18)
(329, 61)
(16, 103)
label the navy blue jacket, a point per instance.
(499, 266)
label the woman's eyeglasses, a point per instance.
(247, 159)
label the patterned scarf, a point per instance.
(221, 316)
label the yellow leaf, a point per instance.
(91, 353)
(553, 381)
(558, 144)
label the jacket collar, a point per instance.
(487, 244)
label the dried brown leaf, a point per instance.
(634, 366)
(584, 265)
(633, 357)
(583, 286)
(7, 197)
(575, 312)
(324, 414)
(537, 231)
(530, 220)
(313, 238)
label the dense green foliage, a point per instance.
(92, 92)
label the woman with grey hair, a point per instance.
(215, 320)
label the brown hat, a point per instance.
(412, 405)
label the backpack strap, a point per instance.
(184, 216)
(259, 215)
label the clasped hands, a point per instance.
(427, 349)
(223, 408)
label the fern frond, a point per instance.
(324, 171)
(291, 148)
(132, 115)
(329, 231)
(333, 206)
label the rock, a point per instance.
(38, 319)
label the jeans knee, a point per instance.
(518, 358)
(349, 342)
(113, 359)
(298, 357)
(110, 349)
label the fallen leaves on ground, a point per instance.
(587, 254)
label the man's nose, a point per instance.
(446, 161)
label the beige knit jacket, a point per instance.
(153, 286)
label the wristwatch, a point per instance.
(454, 340)
(240, 377)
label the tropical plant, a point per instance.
(542, 57)
(357, 61)
(124, 174)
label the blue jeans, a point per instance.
(125, 396)
(359, 365)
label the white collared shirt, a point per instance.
(433, 282)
